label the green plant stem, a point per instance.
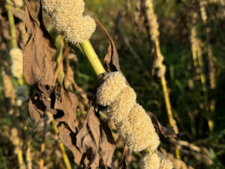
(92, 58)
(11, 24)
(20, 159)
(61, 146)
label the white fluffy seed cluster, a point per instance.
(16, 55)
(68, 20)
(155, 160)
(165, 163)
(18, 3)
(130, 118)
(150, 161)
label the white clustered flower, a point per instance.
(18, 3)
(130, 118)
(68, 20)
(110, 89)
(150, 161)
(122, 105)
(165, 163)
(16, 55)
(138, 131)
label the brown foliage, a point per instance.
(165, 131)
(39, 51)
(39, 73)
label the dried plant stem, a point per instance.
(210, 62)
(199, 67)
(28, 156)
(59, 58)
(154, 33)
(13, 43)
(204, 88)
(61, 146)
(42, 154)
(92, 57)
(66, 52)
(20, 159)
(20, 80)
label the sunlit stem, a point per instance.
(92, 57)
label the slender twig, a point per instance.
(42, 153)
(66, 52)
(154, 34)
(61, 146)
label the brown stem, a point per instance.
(42, 154)
(66, 52)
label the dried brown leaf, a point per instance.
(39, 51)
(36, 109)
(88, 139)
(111, 59)
(165, 131)
(107, 144)
(78, 89)
(68, 138)
(68, 106)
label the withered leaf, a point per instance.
(68, 137)
(38, 55)
(48, 96)
(36, 109)
(78, 89)
(165, 131)
(111, 59)
(88, 139)
(18, 14)
(107, 144)
(68, 106)
(64, 113)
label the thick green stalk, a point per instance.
(92, 57)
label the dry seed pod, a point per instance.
(18, 3)
(122, 105)
(82, 28)
(164, 162)
(130, 118)
(17, 62)
(110, 89)
(150, 161)
(68, 20)
(138, 131)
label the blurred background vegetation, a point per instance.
(193, 45)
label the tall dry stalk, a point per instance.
(211, 65)
(154, 34)
(13, 45)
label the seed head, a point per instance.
(17, 62)
(150, 161)
(130, 118)
(122, 105)
(68, 20)
(164, 162)
(110, 89)
(138, 131)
